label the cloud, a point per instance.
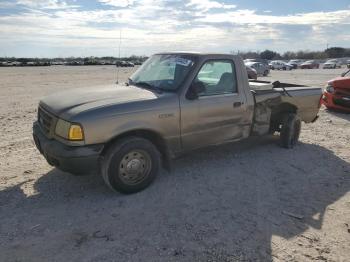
(158, 25)
(250, 16)
(45, 4)
(117, 3)
(206, 5)
(5, 4)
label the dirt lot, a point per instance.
(230, 203)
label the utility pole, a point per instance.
(118, 61)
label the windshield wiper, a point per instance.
(146, 85)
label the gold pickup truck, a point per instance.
(174, 103)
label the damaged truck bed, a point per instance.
(273, 99)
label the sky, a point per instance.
(63, 28)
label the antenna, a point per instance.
(117, 64)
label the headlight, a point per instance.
(329, 88)
(69, 131)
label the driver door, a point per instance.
(216, 115)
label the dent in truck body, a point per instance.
(272, 104)
(213, 119)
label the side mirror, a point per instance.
(195, 89)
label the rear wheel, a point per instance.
(290, 131)
(266, 73)
(130, 165)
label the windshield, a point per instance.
(164, 72)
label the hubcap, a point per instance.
(134, 167)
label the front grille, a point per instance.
(342, 92)
(45, 120)
(341, 102)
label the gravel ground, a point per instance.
(249, 201)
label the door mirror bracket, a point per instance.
(195, 89)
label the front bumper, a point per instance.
(335, 102)
(78, 160)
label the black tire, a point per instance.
(290, 131)
(266, 73)
(117, 176)
(284, 68)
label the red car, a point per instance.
(311, 64)
(337, 93)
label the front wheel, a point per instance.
(290, 131)
(130, 165)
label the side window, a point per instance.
(218, 77)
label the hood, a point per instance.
(340, 82)
(79, 100)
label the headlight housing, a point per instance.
(330, 88)
(69, 131)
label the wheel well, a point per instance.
(280, 111)
(152, 136)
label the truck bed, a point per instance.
(271, 98)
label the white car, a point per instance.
(333, 63)
(280, 65)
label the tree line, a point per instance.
(333, 52)
(86, 60)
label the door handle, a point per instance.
(237, 104)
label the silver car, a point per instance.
(260, 68)
(332, 63)
(280, 65)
